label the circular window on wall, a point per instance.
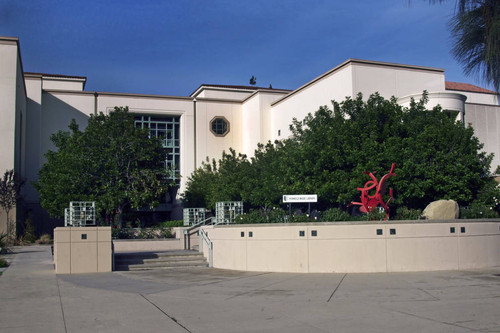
(219, 126)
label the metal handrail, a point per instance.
(188, 232)
(205, 238)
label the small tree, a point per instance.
(111, 162)
(253, 80)
(10, 189)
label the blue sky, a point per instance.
(171, 47)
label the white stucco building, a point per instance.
(213, 118)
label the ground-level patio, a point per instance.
(34, 298)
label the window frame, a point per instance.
(228, 126)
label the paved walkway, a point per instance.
(33, 298)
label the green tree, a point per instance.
(111, 162)
(10, 193)
(436, 158)
(253, 80)
(218, 181)
(476, 32)
(475, 29)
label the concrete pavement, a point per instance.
(34, 298)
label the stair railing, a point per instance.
(204, 238)
(194, 229)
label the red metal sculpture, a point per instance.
(370, 202)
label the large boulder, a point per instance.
(442, 210)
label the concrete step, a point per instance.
(142, 267)
(158, 260)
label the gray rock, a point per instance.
(442, 210)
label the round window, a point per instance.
(219, 126)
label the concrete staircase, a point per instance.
(159, 260)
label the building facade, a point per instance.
(214, 118)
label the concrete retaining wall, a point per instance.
(357, 247)
(82, 249)
(139, 245)
(166, 244)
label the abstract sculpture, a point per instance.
(370, 202)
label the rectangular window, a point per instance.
(167, 129)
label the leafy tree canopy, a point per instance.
(436, 158)
(111, 162)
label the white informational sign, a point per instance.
(300, 198)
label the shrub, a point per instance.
(405, 213)
(29, 231)
(162, 232)
(45, 239)
(3, 263)
(171, 224)
(264, 215)
(155, 232)
(3, 240)
(122, 233)
(253, 216)
(478, 212)
(335, 214)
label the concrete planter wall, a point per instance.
(165, 244)
(346, 247)
(139, 245)
(82, 249)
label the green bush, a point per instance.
(253, 216)
(328, 151)
(122, 233)
(405, 213)
(3, 263)
(270, 215)
(29, 231)
(335, 214)
(45, 239)
(3, 240)
(478, 212)
(162, 232)
(156, 232)
(171, 224)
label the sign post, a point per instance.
(300, 198)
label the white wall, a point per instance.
(343, 247)
(251, 117)
(224, 93)
(20, 121)
(485, 120)
(33, 136)
(209, 145)
(58, 109)
(8, 104)
(308, 99)
(256, 120)
(349, 79)
(449, 100)
(62, 84)
(478, 98)
(395, 81)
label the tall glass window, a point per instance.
(166, 128)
